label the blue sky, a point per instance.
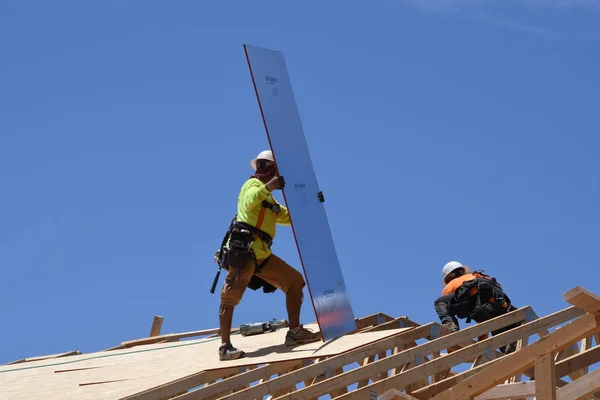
(438, 130)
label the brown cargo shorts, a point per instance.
(276, 272)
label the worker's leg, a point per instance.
(512, 346)
(441, 305)
(231, 294)
(287, 279)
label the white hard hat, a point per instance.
(263, 155)
(451, 266)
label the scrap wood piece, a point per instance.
(46, 357)
(156, 326)
(438, 365)
(580, 388)
(326, 367)
(518, 362)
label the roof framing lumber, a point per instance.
(509, 391)
(580, 388)
(563, 368)
(393, 358)
(435, 366)
(584, 299)
(561, 338)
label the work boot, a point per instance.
(301, 335)
(228, 352)
(451, 325)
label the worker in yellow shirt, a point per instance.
(474, 296)
(250, 261)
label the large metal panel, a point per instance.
(309, 221)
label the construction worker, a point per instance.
(474, 296)
(253, 262)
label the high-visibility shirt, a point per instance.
(251, 211)
(456, 282)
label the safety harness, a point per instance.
(479, 299)
(236, 248)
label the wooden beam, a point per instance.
(372, 320)
(437, 365)
(509, 391)
(584, 299)
(225, 386)
(47, 357)
(580, 388)
(401, 322)
(545, 377)
(568, 352)
(563, 368)
(170, 337)
(518, 362)
(395, 394)
(578, 361)
(156, 326)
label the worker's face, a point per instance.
(266, 164)
(266, 169)
(453, 274)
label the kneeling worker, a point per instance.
(250, 260)
(474, 296)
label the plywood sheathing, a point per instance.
(119, 373)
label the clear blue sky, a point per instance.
(450, 130)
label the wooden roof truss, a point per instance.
(556, 358)
(424, 363)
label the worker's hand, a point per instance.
(277, 182)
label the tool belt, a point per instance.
(264, 236)
(239, 252)
(479, 299)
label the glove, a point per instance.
(276, 182)
(452, 326)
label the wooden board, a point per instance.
(119, 373)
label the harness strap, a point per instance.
(261, 217)
(264, 236)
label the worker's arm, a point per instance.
(253, 196)
(283, 218)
